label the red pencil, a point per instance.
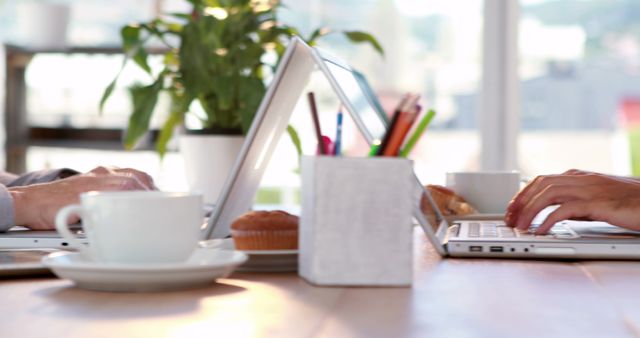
(322, 147)
(403, 119)
(392, 124)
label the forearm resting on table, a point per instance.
(36, 205)
(28, 206)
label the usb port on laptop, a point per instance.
(475, 248)
(496, 249)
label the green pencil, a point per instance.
(374, 148)
(422, 126)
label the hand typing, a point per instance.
(581, 195)
(35, 206)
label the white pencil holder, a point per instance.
(356, 221)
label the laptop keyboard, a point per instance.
(500, 230)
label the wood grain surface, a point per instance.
(449, 298)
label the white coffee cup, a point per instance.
(133, 227)
(488, 191)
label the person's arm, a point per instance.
(35, 206)
(7, 177)
(7, 219)
(580, 195)
(40, 176)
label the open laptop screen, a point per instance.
(272, 118)
(269, 123)
(354, 89)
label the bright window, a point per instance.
(431, 47)
(580, 85)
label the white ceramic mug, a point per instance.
(133, 227)
(488, 191)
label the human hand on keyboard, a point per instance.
(581, 195)
(35, 206)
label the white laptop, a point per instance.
(467, 238)
(481, 237)
(237, 196)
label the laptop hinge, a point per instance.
(454, 231)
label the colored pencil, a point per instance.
(322, 149)
(392, 124)
(417, 134)
(338, 141)
(374, 148)
(406, 117)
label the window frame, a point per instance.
(499, 106)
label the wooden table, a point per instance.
(449, 298)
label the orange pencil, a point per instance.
(406, 118)
(392, 124)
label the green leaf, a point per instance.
(280, 49)
(276, 34)
(358, 37)
(249, 56)
(250, 94)
(293, 134)
(292, 31)
(166, 133)
(140, 58)
(133, 46)
(195, 56)
(171, 59)
(144, 101)
(107, 93)
(223, 91)
(174, 27)
(184, 16)
(179, 106)
(180, 101)
(318, 33)
(213, 114)
(130, 37)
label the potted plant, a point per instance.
(215, 58)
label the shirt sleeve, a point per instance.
(7, 217)
(41, 176)
(6, 177)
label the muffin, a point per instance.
(265, 230)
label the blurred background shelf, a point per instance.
(22, 133)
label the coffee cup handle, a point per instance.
(63, 227)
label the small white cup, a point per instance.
(488, 191)
(134, 227)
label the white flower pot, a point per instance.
(208, 159)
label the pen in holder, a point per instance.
(356, 221)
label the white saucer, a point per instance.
(200, 269)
